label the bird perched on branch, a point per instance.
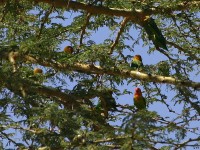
(139, 100)
(154, 32)
(37, 71)
(136, 62)
(68, 49)
(107, 103)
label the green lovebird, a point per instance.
(107, 103)
(154, 33)
(136, 62)
(139, 100)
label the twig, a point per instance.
(121, 30)
(184, 143)
(6, 136)
(84, 28)
(185, 51)
(45, 20)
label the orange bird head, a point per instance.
(138, 91)
(68, 49)
(37, 71)
(137, 57)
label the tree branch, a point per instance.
(44, 20)
(186, 142)
(184, 91)
(119, 12)
(121, 30)
(84, 27)
(132, 14)
(189, 52)
(177, 7)
(87, 68)
(126, 73)
(111, 139)
(66, 99)
(91, 8)
(5, 135)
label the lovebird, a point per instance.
(68, 50)
(154, 33)
(136, 62)
(139, 100)
(107, 103)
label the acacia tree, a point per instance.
(67, 102)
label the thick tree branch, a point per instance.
(126, 73)
(132, 14)
(91, 8)
(118, 12)
(66, 99)
(87, 68)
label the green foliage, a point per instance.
(84, 100)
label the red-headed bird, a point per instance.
(136, 62)
(139, 100)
